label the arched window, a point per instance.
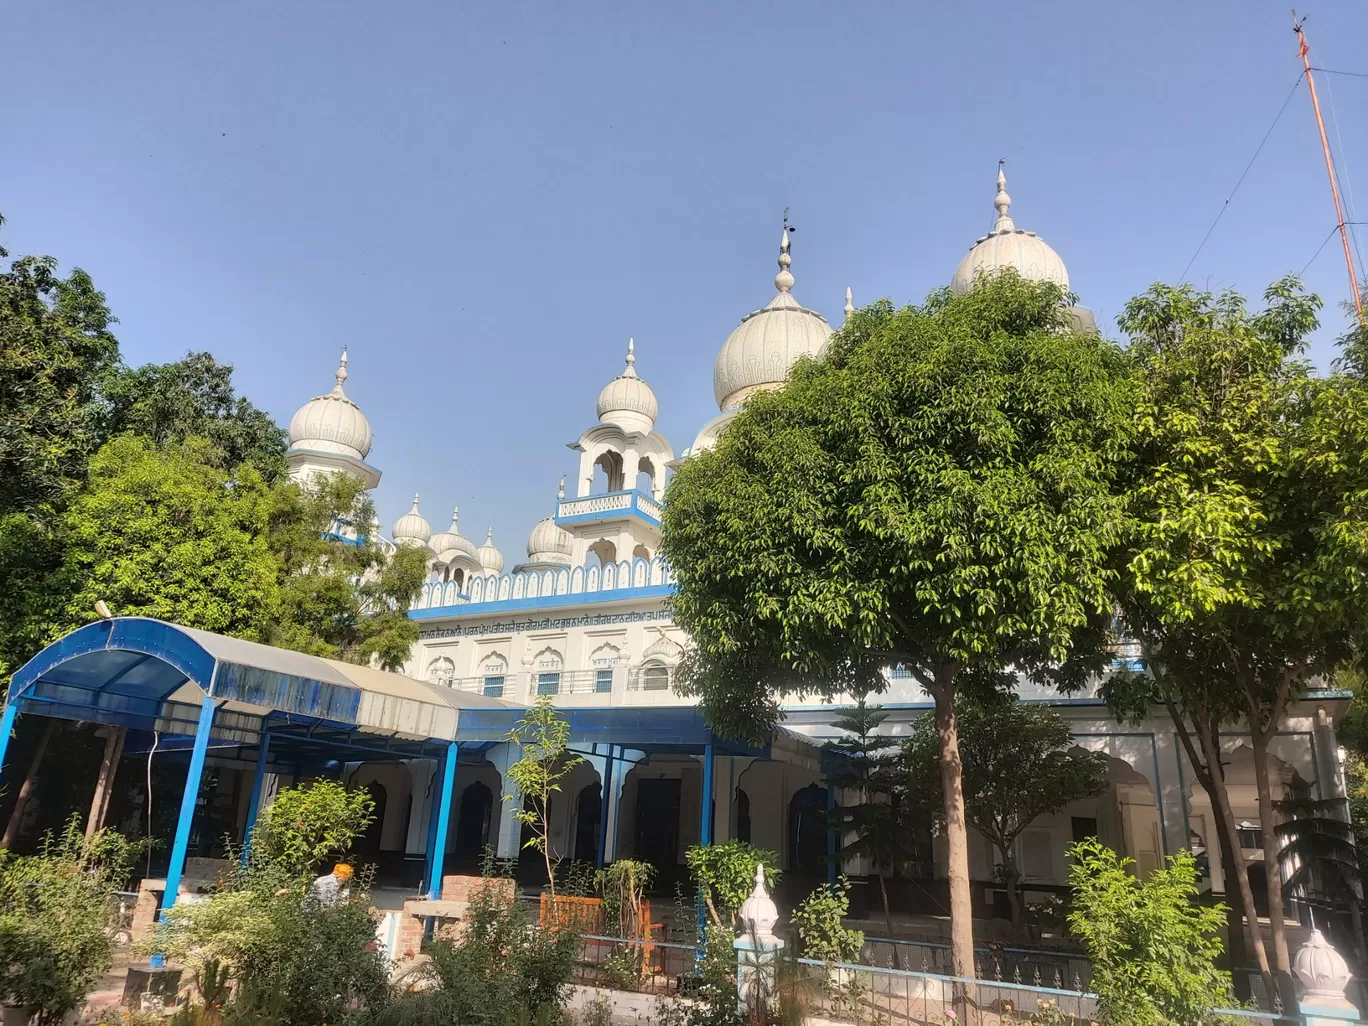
(602, 661)
(588, 816)
(494, 670)
(472, 820)
(808, 829)
(655, 677)
(645, 476)
(458, 575)
(547, 665)
(441, 671)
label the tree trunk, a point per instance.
(1236, 947)
(104, 784)
(1272, 869)
(1214, 784)
(956, 829)
(888, 919)
(1012, 881)
(26, 789)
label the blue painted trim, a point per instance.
(449, 761)
(187, 810)
(6, 729)
(584, 598)
(633, 510)
(254, 805)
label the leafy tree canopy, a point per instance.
(55, 344)
(935, 492)
(192, 397)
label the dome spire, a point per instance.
(850, 304)
(455, 515)
(1003, 202)
(630, 372)
(341, 374)
(560, 492)
(783, 281)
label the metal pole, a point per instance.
(1302, 50)
(6, 729)
(705, 818)
(188, 799)
(443, 817)
(258, 785)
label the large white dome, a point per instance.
(549, 543)
(332, 422)
(411, 528)
(490, 557)
(762, 349)
(627, 401)
(451, 544)
(1008, 246)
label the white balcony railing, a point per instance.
(654, 677)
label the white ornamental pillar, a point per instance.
(1324, 975)
(757, 949)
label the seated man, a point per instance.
(332, 887)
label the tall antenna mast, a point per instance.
(1302, 49)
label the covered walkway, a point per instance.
(277, 711)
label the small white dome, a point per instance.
(627, 401)
(1008, 246)
(490, 558)
(548, 543)
(451, 544)
(1322, 970)
(411, 528)
(332, 422)
(762, 349)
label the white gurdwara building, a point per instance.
(584, 617)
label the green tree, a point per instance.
(543, 738)
(55, 344)
(171, 402)
(305, 825)
(1020, 763)
(1244, 578)
(936, 492)
(885, 824)
(162, 532)
(725, 875)
(1153, 945)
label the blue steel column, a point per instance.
(258, 783)
(831, 834)
(6, 729)
(187, 809)
(443, 818)
(606, 807)
(705, 832)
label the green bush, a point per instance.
(505, 970)
(1153, 947)
(305, 825)
(725, 874)
(819, 922)
(54, 910)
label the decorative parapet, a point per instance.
(623, 576)
(610, 506)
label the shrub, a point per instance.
(54, 910)
(1153, 947)
(819, 922)
(305, 825)
(725, 874)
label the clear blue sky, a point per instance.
(484, 201)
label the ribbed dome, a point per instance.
(627, 401)
(1008, 246)
(411, 528)
(548, 543)
(332, 422)
(490, 558)
(763, 348)
(451, 544)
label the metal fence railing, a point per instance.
(858, 993)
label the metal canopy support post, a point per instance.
(258, 784)
(604, 814)
(193, 776)
(705, 832)
(6, 729)
(443, 819)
